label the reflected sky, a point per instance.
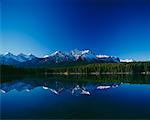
(53, 98)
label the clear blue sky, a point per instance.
(113, 27)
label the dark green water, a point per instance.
(78, 97)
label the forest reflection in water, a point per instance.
(76, 96)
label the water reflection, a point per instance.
(87, 97)
(57, 87)
(75, 84)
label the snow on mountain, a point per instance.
(76, 53)
(108, 58)
(102, 56)
(30, 57)
(88, 55)
(21, 57)
(9, 58)
(85, 51)
(126, 60)
(46, 56)
(8, 61)
(84, 55)
(59, 57)
(27, 57)
(57, 53)
(10, 55)
(74, 56)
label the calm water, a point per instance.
(75, 97)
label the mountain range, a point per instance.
(57, 58)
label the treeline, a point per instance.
(9, 69)
(106, 68)
(99, 68)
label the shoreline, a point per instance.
(97, 73)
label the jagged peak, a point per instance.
(57, 53)
(76, 51)
(73, 55)
(8, 53)
(24, 55)
(29, 54)
(85, 51)
(21, 54)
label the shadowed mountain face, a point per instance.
(57, 58)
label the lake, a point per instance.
(75, 96)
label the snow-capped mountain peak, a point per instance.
(126, 60)
(59, 57)
(107, 58)
(46, 56)
(88, 55)
(83, 54)
(23, 57)
(29, 54)
(29, 57)
(85, 51)
(102, 56)
(11, 58)
(57, 53)
(72, 57)
(78, 52)
(9, 55)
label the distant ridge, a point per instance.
(57, 58)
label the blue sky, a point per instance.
(112, 27)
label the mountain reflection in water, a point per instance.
(75, 84)
(56, 87)
(75, 97)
